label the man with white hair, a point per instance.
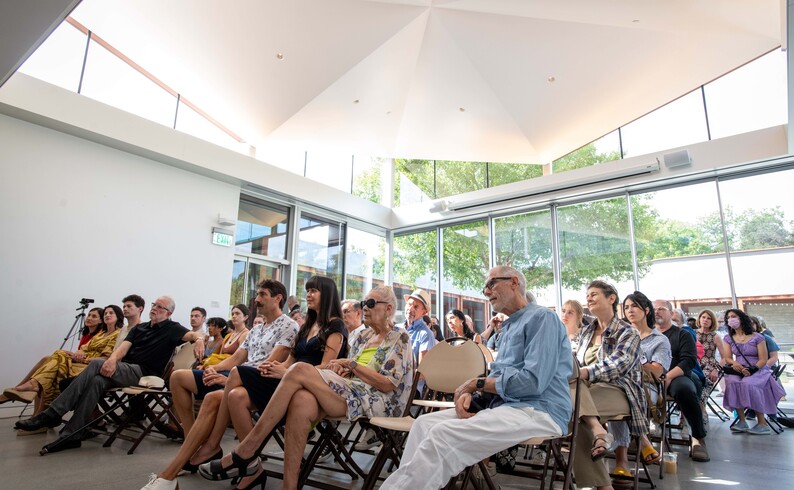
(351, 316)
(144, 352)
(529, 380)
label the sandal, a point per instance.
(622, 472)
(650, 455)
(609, 445)
(214, 470)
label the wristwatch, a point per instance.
(353, 365)
(480, 383)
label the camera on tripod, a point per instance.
(86, 301)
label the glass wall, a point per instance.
(680, 247)
(365, 263)
(524, 241)
(262, 229)
(321, 250)
(59, 59)
(594, 242)
(414, 259)
(466, 260)
(759, 219)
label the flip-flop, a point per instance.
(650, 455)
(609, 445)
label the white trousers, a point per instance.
(440, 445)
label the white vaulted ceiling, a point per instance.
(444, 79)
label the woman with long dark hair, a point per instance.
(656, 357)
(456, 321)
(322, 338)
(42, 386)
(748, 379)
(374, 381)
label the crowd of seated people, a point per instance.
(348, 359)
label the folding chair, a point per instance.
(556, 467)
(444, 367)
(712, 404)
(155, 402)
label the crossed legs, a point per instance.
(304, 397)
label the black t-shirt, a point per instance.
(312, 352)
(152, 345)
(683, 347)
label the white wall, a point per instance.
(80, 219)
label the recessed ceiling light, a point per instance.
(551, 79)
(356, 101)
(636, 20)
(388, 112)
(462, 109)
(279, 56)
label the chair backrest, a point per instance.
(184, 356)
(446, 366)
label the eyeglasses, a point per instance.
(370, 303)
(155, 305)
(492, 281)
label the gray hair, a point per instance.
(386, 293)
(507, 271)
(355, 304)
(680, 311)
(170, 302)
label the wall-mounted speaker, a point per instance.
(677, 159)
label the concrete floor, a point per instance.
(737, 460)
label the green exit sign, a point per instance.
(221, 238)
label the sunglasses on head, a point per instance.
(370, 303)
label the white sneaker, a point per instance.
(369, 440)
(326, 455)
(156, 483)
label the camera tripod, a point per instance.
(79, 320)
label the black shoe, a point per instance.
(171, 431)
(38, 421)
(259, 481)
(194, 467)
(62, 444)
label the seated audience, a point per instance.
(93, 322)
(132, 306)
(706, 324)
(456, 322)
(610, 356)
(144, 352)
(271, 341)
(527, 386)
(748, 379)
(236, 333)
(197, 317)
(351, 316)
(374, 381)
(43, 384)
(296, 316)
(217, 334)
(655, 357)
(321, 339)
(90, 329)
(435, 326)
(496, 325)
(683, 382)
(572, 315)
(422, 339)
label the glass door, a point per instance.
(246, 273)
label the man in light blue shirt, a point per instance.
(417, 305)
(530, 379)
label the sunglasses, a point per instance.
(370, 303)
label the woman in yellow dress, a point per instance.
(63, 364)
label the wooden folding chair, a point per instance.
(444, 367)
(155, 403)
(556, 466)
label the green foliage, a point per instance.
(466, 256)
(585, 156)
(507, 173)
(414, 257)
(367, 184)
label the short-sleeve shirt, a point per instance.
(422, 338)
(262, 339)
(656, 348)
(153, 345)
